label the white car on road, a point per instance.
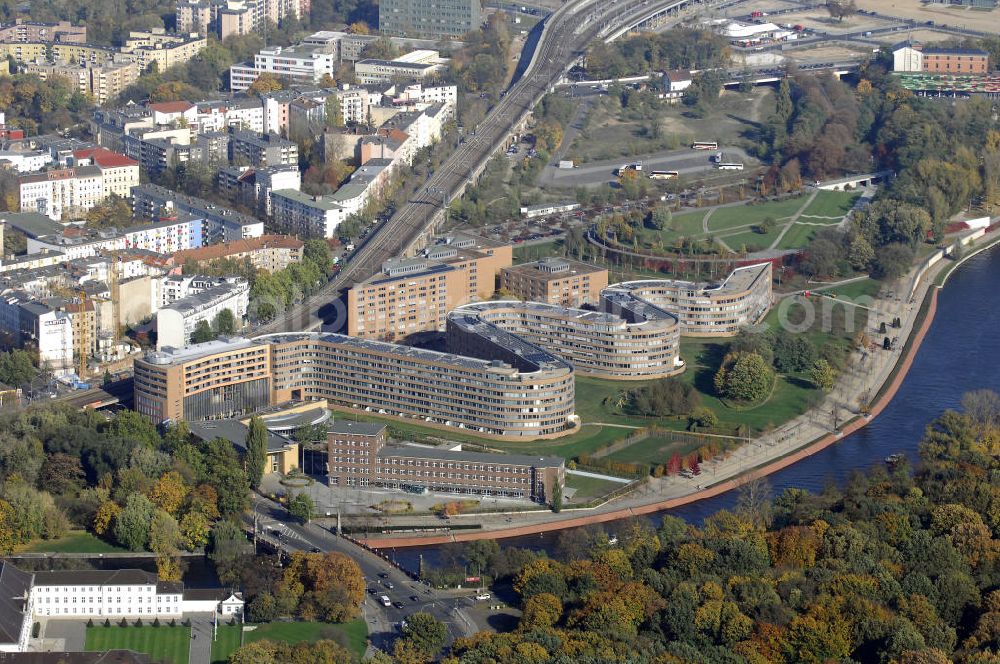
(482, 596)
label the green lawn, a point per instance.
(353, 635)
(685, 224)
(743, 215)
(832, 204)
(77, 541)
(588, 488)
(750, 240)
(588, 439)
(167, 644)
(654, 450)
(799, 235)
(868, 287)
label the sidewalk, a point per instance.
(839, 414)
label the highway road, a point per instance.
(685, 162)
(567, 33)
(275, 527)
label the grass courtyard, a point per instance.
(352, 635)
(162, 644)
(75, 541)
(589, 488)
(652, 450)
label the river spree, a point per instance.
(959, 354)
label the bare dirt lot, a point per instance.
(829, 52)
(820, 19)
(926, 36)
(973, 19)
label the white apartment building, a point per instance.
(118, 173)
(25, 162)
(302, 63)
(307, 216)
(179, 286)
(177, 321)
(61, 192)
(163, 237)
(417, 97)
(319, 216)
(27, 320)
(354, 104)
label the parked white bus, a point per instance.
(704, 145)
(663, 175)
(729, 166)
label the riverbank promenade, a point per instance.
(862, 391)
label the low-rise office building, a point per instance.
(706, 309)
(281, 456)
(522, 392)
(561, 281)
(373, 71)
(359, 456)
(909, 56)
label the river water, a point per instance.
(958, 355)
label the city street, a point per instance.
(275, 527)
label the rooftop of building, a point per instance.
(162, 195)
(325, 203)
(217, 251)
(236, 433)
(94, 577)
(540, 359)
(396, 64)
(265, 140)
(62, 174)
(15, 586)
(282, 418)
(32, 224)
(943, 50)
(553, 269)
(192, 304)
(350, 427)
(105, 158)
(300, 51)
(170, 356)
(415, 452)
(739, 280)
(171, 106)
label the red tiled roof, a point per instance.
(105, 158)
(171, 106)
(216, 251)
